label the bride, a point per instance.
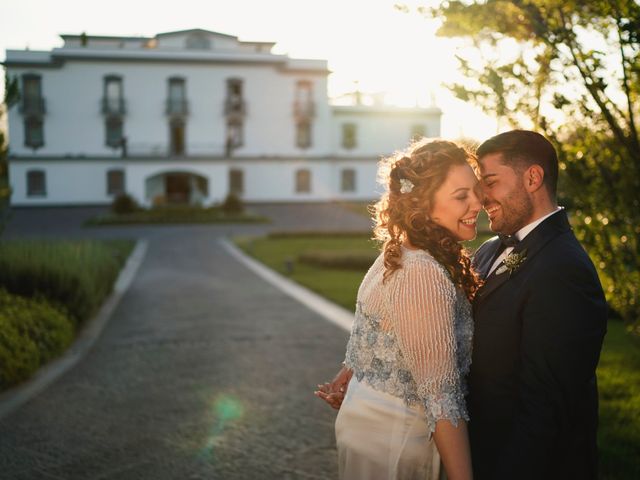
(410, 344)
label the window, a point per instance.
(115, 182)
(303, 106)
(33, 132)
(113, 127)
(236, 181)
(32, 101)
(177, 101)
(234, 104)
(113, 100)
(36, 183)
(303, 181)
(349, 131)
(418, 131)
(304, 91)
(348, 180)
(234, 87)
(176, 137)
(303, 134)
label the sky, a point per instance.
(369, 45)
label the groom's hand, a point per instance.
(333, 392)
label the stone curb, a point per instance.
(13, 398)
(329, 310)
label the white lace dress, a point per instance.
(410, 349)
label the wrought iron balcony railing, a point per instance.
(177, 106)
(235, 106)
(33, 106)
(304, 109)
(114, 106)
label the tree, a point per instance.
(11, 96)
(570, 69)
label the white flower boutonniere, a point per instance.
(512, 262)
(405, 185)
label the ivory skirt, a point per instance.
(381, 438)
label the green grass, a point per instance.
(338, 285)
(619, 384)
(618, 371)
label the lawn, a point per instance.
(618, 371)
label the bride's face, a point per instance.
(457, 203)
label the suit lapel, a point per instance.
(485, 258)
(532, 243)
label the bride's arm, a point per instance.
(453, 446)
(422, 310)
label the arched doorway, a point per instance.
(176, 187)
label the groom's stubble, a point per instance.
(517, 209)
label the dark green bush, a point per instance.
(124, 203)
(232, 204)
(32, 332)
(172, 214)
(355, 260)
(74, 276)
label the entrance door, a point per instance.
(178, 188)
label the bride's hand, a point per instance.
(333, 392)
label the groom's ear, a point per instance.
(533, 178)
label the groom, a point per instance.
(540, 319)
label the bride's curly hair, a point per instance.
(404, 215)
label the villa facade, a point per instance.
(191, 116)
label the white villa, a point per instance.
(191, 116)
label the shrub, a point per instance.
(232, 204)
(32, 332)
(74, 276)
(354, 260)
(124, 203)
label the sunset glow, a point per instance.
(390, 56)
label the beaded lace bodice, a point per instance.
(412, 336)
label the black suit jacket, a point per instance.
(533, 397)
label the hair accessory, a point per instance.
(406, 186)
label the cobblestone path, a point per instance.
(203, 372)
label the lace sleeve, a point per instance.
(422, 308)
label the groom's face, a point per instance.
(506, 200)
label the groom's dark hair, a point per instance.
(522, 148)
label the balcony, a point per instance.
(177, 107)
(235, 107)
(114, 107)
(304, 110)
(33, 106)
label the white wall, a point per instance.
(74, 124)
(267, 181)
(81, 182)
(67, 182)
(381, 131)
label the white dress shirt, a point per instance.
(520, 234)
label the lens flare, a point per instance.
(226, 409)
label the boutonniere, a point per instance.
(512, 262)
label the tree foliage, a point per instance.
(570, 69)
